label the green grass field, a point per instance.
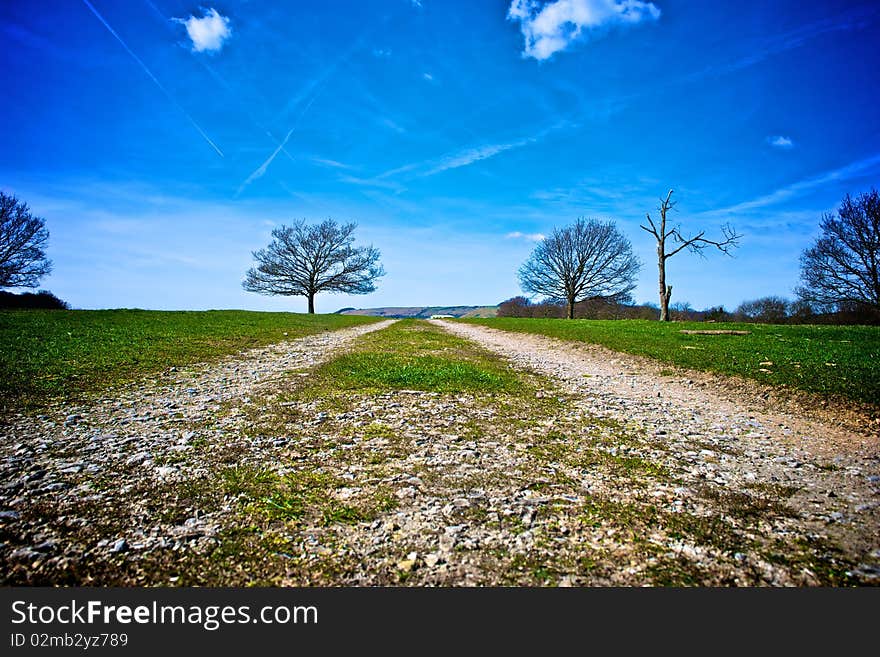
(53, 354)
(841, 361)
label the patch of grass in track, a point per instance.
(415, 355)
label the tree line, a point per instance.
(585, 269)
(589, 267)
(765, 310)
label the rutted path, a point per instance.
(61, 470)
(724, 441)
(260, 470)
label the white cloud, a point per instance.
(417, 3)
(428, 77)
(551, 27)
(381, 53)
(779, 141)
(531, 237)
(208, 33)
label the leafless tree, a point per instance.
(696, 244)
(23, 239)
(587, 260)
(843, 266)
(303, 260)
(766, 310)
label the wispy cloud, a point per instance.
(852, 170)
(471, 155)
(428, 77)
(468, 156)
(780, 43)
(531, 237)
(331, 163)
(551, 27)
(153, 77)
(372, 182)
(457, 159)
(260, 170)
(392, 125)
(209, 32)
(382, 53)
(780, 141)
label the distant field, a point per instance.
(831, 360)
(61, 354)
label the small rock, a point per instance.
(138, 458)
(409, 491)
(119, 546)
(24, 554)
(447, 543)
(406, 566)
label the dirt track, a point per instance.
(610, 473)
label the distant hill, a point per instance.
(423, 312)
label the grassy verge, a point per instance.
(46, 355)
(830, 360)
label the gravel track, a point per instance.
(71, 466)
(608, 473)
(834, 465)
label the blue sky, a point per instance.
(162, 140)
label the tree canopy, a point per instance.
(305, 260)
(23, 240)
(587, 260)
(842, 267)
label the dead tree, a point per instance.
(695, 244)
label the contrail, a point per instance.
(152, 77)
(258, 173)
(219, 79)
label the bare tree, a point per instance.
(303, 260)
(23, 239)
(766, 310)
(695, 244)
(843, 266)
(587, 260)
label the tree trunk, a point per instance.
(571, 308)
(312, 303)
(664, 303)
(665, 290)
